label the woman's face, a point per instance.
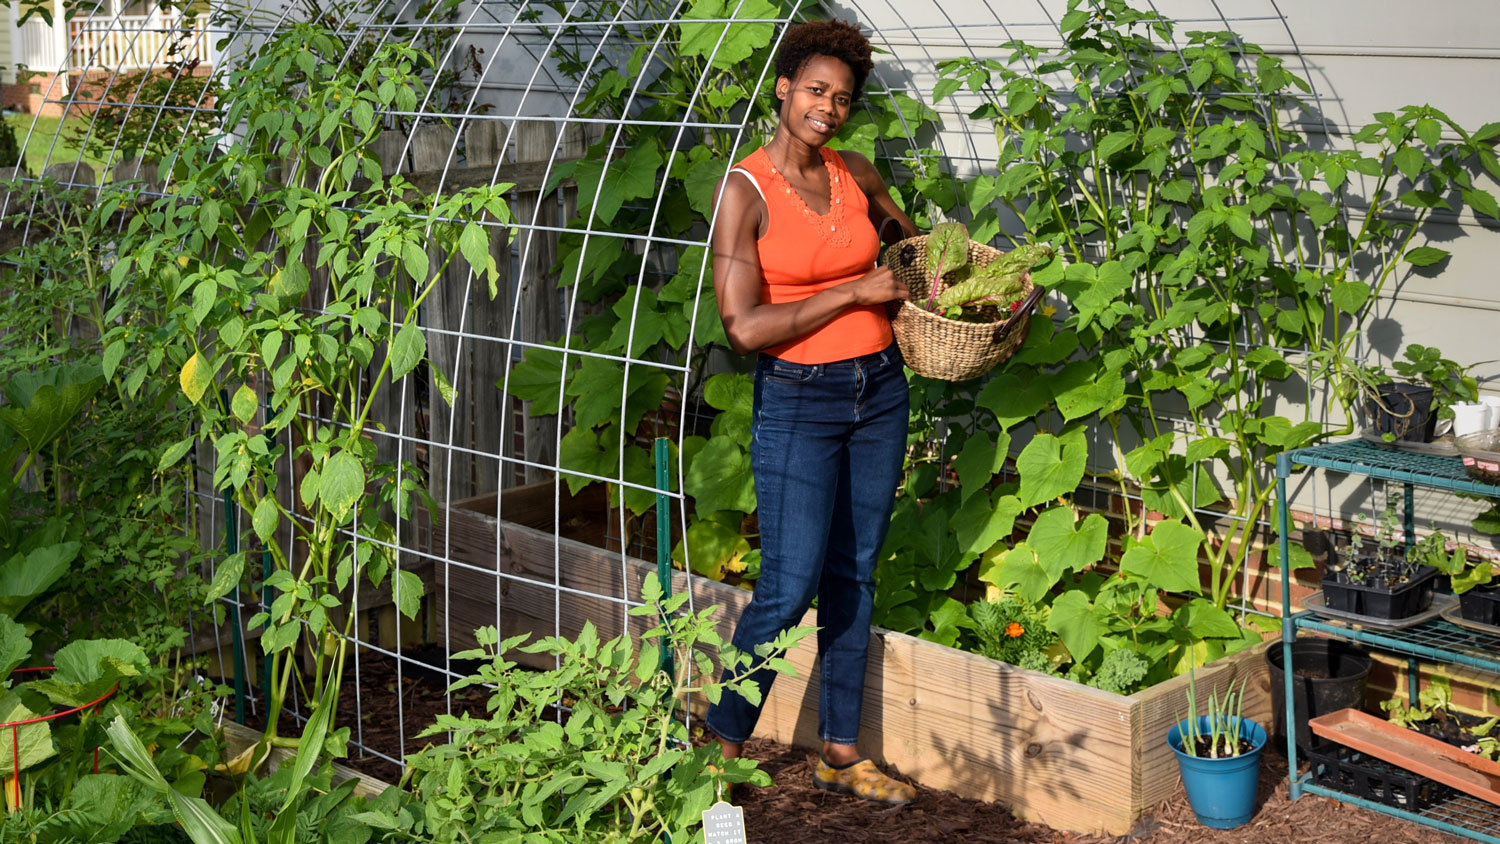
(815, 105)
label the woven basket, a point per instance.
(937, 347)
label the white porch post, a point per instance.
(13, 34)
(61, 42)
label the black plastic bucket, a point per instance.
(1327, 675)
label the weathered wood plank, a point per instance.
(539, 302)
(238, 737)
(474, 362)
(433, 150)
(527, 176)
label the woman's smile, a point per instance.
(821, 126)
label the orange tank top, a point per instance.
(803, 253)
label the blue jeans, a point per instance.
(827, 447)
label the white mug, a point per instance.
(1470, 418)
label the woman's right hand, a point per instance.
(877, 287)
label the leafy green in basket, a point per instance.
(947, 250)
(997, 283)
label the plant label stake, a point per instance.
(724, 824)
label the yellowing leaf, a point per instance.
(195, 377)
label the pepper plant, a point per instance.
(283, 368)
(1212, 271)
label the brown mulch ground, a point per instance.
(794, 812)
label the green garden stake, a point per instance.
(267, 568)
(232, 547)
(664, 538)
(237, 639)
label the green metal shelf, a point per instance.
(1439, 641)
(1435, 641)
(1459, 814)
(1361, 457)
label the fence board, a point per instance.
(539, 311)
(461, 305)
(485, 143)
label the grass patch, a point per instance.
(40, 150)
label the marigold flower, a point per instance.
(1014, 630)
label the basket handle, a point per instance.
(1015, 319)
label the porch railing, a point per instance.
(135, 42)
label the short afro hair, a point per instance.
(833, 38)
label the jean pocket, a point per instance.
(789, 373)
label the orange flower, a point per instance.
(1014, 630)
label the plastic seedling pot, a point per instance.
(1481, 605)
(1406, 412)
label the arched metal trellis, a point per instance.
(613, 121)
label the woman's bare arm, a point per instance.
(752, 325)
(890, 222)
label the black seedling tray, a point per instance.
(1408, 599)
(1335, 766)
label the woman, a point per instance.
(794, 247)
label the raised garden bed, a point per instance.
(1059, 753)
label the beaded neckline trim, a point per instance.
(829, 226)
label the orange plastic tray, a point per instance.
(1413, 751)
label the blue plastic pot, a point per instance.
(1221, 791)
